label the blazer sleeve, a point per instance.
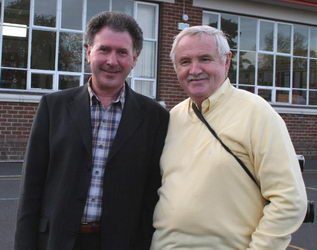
(154, 181)
(33, 180)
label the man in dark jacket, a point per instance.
(91, 169)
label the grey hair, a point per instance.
(220, 37)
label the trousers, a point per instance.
(88, 241)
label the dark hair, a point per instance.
(116, 21)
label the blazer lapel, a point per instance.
(79, 110)
(132, 117)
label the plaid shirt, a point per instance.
(105, 122)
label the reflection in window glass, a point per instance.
(247, 33)
(146, 61)
(146, 19)
(15, 51)
(299, 73)
(299, 97)
(300, 40)
(266, 94)
(43, 50)
(282, 72)
(42, 81)
(125, 6)
(96, 6)
(66, 82)
(45, 13)
(17, 11)
(284, 38)
(247, 68)
(233, 68)
(13, 79)
(229, 25)
(312, 97)
(144, 87)
(265, 70)
(313, 42)
(211, 20)
(72, 12)
(266, 36)
(282, 96)
(313, 74)
(70, 52)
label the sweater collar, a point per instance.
(215, 98)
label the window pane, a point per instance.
(72, 11)
(43, 50)
(247, 68)
(247, 33)
(86, 78)
(45, 13)
(313, 42)
(266, 94)
(96, 6)
(299, 97)
(125, 6)
(282, 72)
(313, 74)
(211, 20)
(233, 68)
(146, 61)
(247, 88)
(15, 51)
(282, 96)
(299, 73)
(66, 82)
(300, 40)
(312, 97)
(147, 20)
(266, 36)
(229, 25)
(42, 81)
(13, 79)
(144, 87)
(265, 70)
(17, 11)
(284, 38)
(70, 52)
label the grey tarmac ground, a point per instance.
(304, 239)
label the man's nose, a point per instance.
(112, 59)
(195, 68)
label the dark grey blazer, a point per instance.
(57, 173)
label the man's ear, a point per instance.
(88, 51)
(228, 61)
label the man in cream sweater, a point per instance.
(207, 201)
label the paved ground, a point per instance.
(304, 239)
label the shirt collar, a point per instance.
(94, 98)
(211, 101)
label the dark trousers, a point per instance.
(88, 241)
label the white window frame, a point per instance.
(33, 94)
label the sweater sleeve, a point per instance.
(277, 169)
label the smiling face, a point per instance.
(111, 58)
(199, 67)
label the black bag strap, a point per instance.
(202, 118)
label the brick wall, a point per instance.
(169, 90)
(303, 131)
(15, 123)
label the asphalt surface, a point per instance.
(304, 239)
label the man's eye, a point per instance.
(184, 62)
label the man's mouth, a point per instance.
(191, 78)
